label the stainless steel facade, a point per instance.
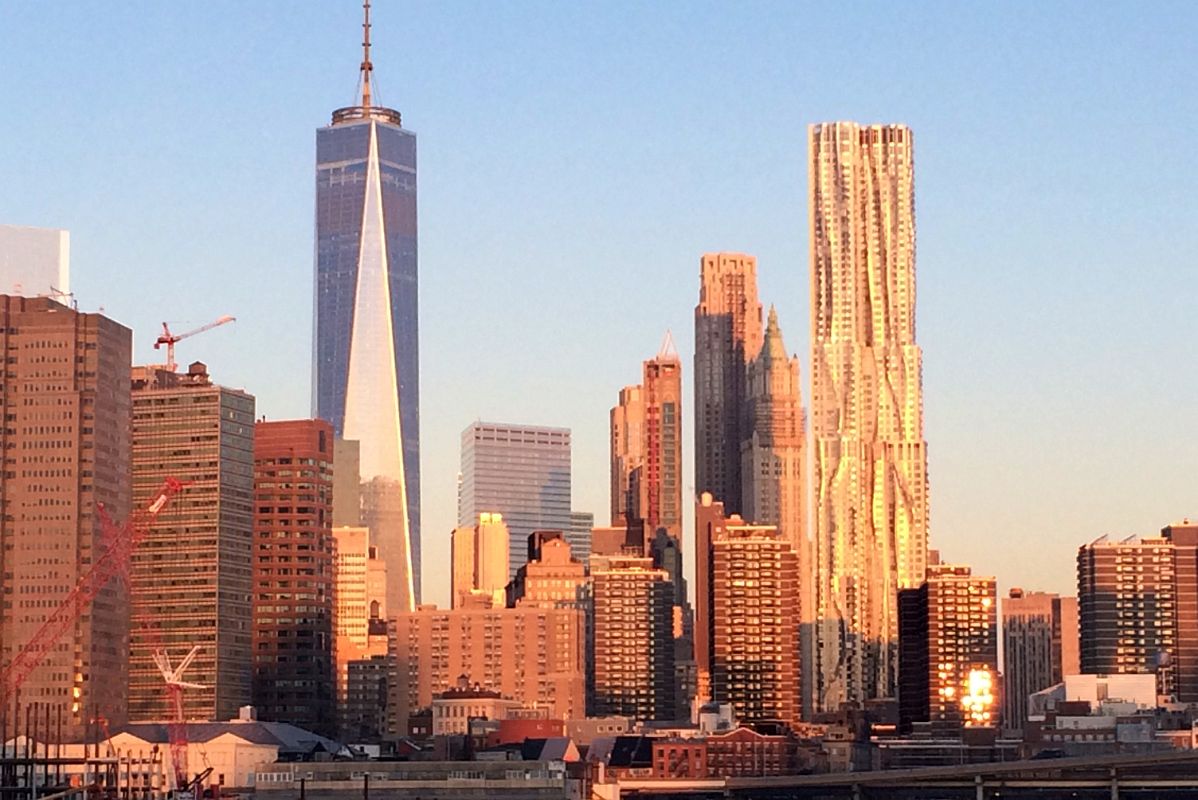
(870, 478)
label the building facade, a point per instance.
(35, 261)
(359, 628)
(646, 446)
(870, 476)
(66, 448)
(755, 647)
(1184, 538)
(1040, 647)
(948, 644)
(710, 523)
(480, 556)
(294, 579)
(521, 472)
(192, 576)
(728, 335)
(366, 350)
(774, 468)
(535, 656)
(632, 670)
(579, 534)
(1127, 608)
(552, 578)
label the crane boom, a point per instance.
(118, 544)
(167, 338)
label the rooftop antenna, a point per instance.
(367, 68)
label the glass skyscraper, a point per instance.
(521, 472)
(365, 354)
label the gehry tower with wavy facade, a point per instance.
(870, 473)
(365, 356)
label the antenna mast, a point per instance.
(367, 68)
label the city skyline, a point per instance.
(979, 510)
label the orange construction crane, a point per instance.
(117, 545)
(167, 338)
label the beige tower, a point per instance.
(480, 560)
(774, 465)
(870, 473)
(727, 337)
(491, 556)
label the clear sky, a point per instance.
(575, 159)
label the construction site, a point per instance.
(35, 759)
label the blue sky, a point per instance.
(577, 158)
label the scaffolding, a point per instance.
(35, 764)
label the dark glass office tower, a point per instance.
(366, 354)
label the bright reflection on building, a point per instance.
(978, 700)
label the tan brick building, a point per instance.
(533, 655)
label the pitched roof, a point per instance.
(283, 735)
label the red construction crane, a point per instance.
(117, 545)
(177, 725)
(167, 338)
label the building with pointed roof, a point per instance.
(774, 464)
(646, 446)
(365, 353)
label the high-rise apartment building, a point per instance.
(1128, 608)
(66, 449)
(646, 446)
(948, 645)
(532, 655)
(1040, 647)
(35, 261)
(755, 648)
(728, 335)
(870, 476)
(294, 676)
(366, 350)
(480, 558)
(519, 471)
(646, 484)
(632, 672)
(192, 576)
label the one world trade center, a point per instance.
(366, 354)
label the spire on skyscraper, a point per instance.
(367, 67)
(365, 106)
(773, 347)
(667, 350)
